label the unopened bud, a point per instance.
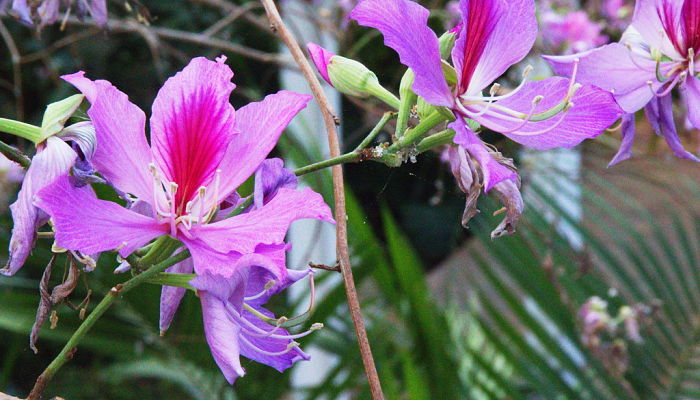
(447, 41)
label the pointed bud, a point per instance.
(447, 41)
(349, 76)
(57, 114)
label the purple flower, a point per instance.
(494, 35)
(571, 32)
(656, 54)
(10, 171)
(201, 151)
(53, 158)
(235, 323)
(46, 12)
(321, 58)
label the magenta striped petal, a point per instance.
(192, 125)
(648, 20)
(171, 296)
(404, 25)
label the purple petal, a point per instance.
(508, 193)
(493, 172)
(668, 128)
(170, 296)
(98, 10)
(53, 159)
(321, 58)
(594, 110)
(23, 11)
(496, 34)
(269, 178)
(628, 133)
(647, 21)
(616, 69)
(209, 261)
(267, 225)
(122, 155)
(260, 125)
(85, 223)
(222, 335)
(48, 12)
(467, 177)
(404, 25)
(691, 92)
(192, 125)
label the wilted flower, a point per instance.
(201, 151)
(656, 54)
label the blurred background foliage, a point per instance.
(451, 314)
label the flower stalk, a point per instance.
(14, 154)
(21, 129)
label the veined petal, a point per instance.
(122, 154)
(209, 261)
(496, 34)
(269, 178)
(594, 110)
(666, 127)
(85, 223)
(53, 159)
(267, 225)
(628, 133)
(222, 336)
(691, 95)
(614, 68)
(493, 172)
(171, 296)
(648, 20)
(260, 125)
(321, 58)
(404, 25)
(192, 125)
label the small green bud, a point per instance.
(447, 42)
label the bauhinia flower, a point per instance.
(570, 32)
(656, 54)
(46, 12)
(201, 151)
(54, 157)
(493, 35)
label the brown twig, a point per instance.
(16, 69)
(335, 268)
(15, 155)
(329, 118)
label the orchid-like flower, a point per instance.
(54, 157)
(493, 35)
(201, 151)
(656, 54)
(46, 12)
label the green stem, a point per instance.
(241, 207)
(388, 116)
(162, 248)
(69, 349)
(415, 134)
(438, 139)
(408, 100)
(21, 129)
(347, 157)
(15, 155)
(384, 95)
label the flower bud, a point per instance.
(349, 76)
(447, 41)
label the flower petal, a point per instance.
(321, 58)
(192, 125)
(269, 178)
(170, 296)
(666, 127)
(404, 25)
(508, 193)
(51, 161)
(496, 34)
(628, 133)
(209, 261)
(648, 22)
(122, 155)
(614, 68)
(594, 110)
(267, 225)
(493, 172)
(222, 335)
(260, 125)
(85, 223)
(691, 92)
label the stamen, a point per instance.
(291, 346)
(269, 285)
(691, 60)
(564, 113)
(535, 102)
(631, 55)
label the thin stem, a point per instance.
(15, 155)
(417, 133)
(432, 141)
(278, 26)
(71, 347)
(388, 116)
(348, 157)
(241, 207)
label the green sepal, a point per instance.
(57, 114)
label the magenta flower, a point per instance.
(201, 151)
(571, 32)
(46, 12)
(656, 54)
(321, 58)
(494, 35)
(54, 158)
